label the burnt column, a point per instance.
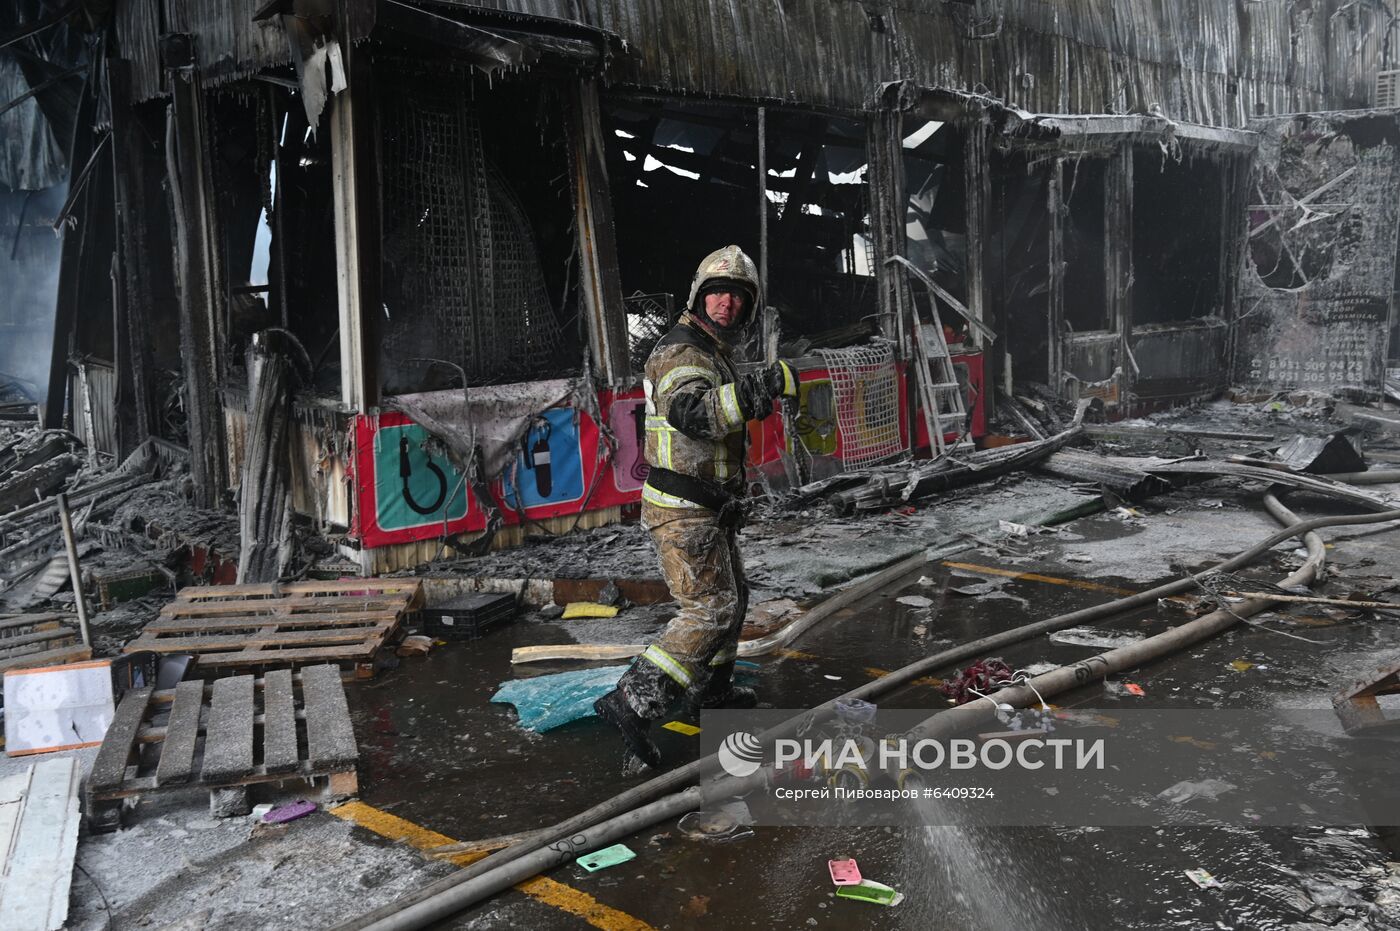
(355, 186)
(134, 298)
(203, 301)
(600, 284)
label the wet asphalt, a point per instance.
(435, 751)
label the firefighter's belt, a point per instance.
(705, 493)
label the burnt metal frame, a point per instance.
(1118, 134)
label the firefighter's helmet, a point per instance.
(727, 266)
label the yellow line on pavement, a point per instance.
(396, 828)
(542, 888)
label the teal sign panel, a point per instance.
(411, 487)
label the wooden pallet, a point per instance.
(224, 736)
(241, 628)
(28, 641)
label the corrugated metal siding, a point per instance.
(228, 44)
(1204, 61)
(138, 29)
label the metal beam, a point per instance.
(1055, 207)
(939, 291)
(977, 189)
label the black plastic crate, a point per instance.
(467, 617)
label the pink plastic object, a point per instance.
(297, 809)
(843, 872)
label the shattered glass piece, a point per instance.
(547, 702)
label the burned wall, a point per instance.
(1215, 63)
(1209, 62)
(1319, 276)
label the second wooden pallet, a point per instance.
(251, 627)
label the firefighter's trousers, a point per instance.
(696, 651)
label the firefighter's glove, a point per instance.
(781, 380)
(734, 515)
(758, 390)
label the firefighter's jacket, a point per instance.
(695, 424)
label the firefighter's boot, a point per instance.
(614, 709)
(721, 692)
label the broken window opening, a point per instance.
(685, 181)
(936, 210)
(1178, 237)
(307, 228)
(477, 228)
(1018, 273)
(1085, 186)
(260, 138)
(1299, 237)
(258, 274)
(242, 123)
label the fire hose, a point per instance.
(638, 807)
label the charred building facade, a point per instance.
(424, 247)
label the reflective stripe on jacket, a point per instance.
(688, 362)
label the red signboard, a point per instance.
(406, 489)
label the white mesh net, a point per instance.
(866, 386)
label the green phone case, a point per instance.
(868, 891)
(608, 856)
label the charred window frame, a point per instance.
(477, 211)
(1179, 203)
(684, 180)
(1019, 280)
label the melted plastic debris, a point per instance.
(547, 702)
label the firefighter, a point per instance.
(698, 407)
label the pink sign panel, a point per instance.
(627, 418)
